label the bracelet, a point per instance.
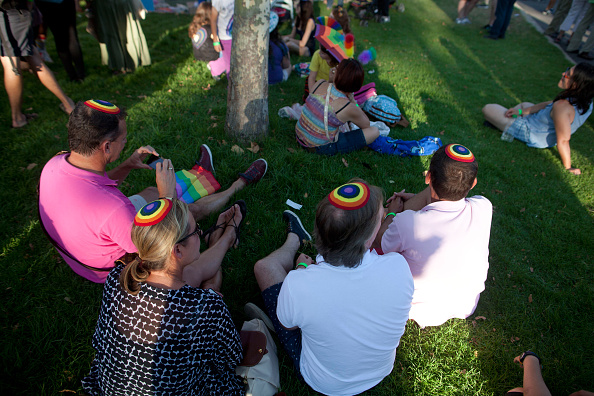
(303, 264)
(169, 198)
(530, 353)
(216, 43)
(519, 111)
(390, 214)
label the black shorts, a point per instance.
(16, 33)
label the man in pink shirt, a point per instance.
(443, 236)
(85, 214)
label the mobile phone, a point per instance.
(153, 160)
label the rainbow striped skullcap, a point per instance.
(350, 196)
(153, 212)
(457, 152)
(103, 106)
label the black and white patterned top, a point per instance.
(163, 342)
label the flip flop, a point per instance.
(28, 118)
(243, 209)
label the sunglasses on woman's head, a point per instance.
(197, 231)
(566, 72)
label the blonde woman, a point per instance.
(163, 327)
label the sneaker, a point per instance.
(547, 12)
(205, 159)
(384, 19)
(255, 172)
(254, 312)
(294, 225)
(465, 21)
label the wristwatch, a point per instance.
(530, 353)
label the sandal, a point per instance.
(243, 208)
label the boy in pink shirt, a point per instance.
(443, 236)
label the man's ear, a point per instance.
(473, 183)
(105, 146)
(428, 177)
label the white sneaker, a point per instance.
(465, 21)
(384, 19)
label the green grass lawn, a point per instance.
(539, 293)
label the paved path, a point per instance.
(532, 10)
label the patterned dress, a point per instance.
(163, 342)
(310, 130)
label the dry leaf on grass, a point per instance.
(305, 195)
(291, 150)
(236, 149)
(530, 298)
(480, 317)
(31, 166)
(346, 164)
(69, 300)
(531, 269)
(254, 148)
(522, 210)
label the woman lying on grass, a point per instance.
(549, 123)
(163, 327)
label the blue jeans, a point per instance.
(347, 142)
(503, 14)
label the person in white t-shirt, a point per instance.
(221, 24)
(340, 317)
(443, 236)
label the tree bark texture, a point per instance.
(247, 97)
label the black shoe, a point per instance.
(294, 225)
(488, 124)
(487, 27)
(586, 56)
(572, 52)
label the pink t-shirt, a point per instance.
(446, 245)
(87, 215)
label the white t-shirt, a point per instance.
(446, 245)
(225, 9)
(351, 320)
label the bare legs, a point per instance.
(274, 268)
(464, 8)
(495, 114)
(210, 260)
(204, 206)
(214, 202)
(14, 86)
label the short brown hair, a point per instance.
(88, 127)
(451, 180)
(341, 234)
(349, 75)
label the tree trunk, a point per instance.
(247, 97)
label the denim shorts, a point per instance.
(519, 130)
(347, 142)
(289, 339)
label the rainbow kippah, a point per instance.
(350, 196)
(103, 106)
(457, 152)
(153, 212)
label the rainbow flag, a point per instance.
(195, 183)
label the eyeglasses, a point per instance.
(566, 72)
(197, 231)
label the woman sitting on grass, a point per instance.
(161, 330)
(201, 34)
(305, 25)
(279, 62)
(549, 123)
(328, 107)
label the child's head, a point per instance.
(340, 15)
(327, 56)
(452, 173)
(201, 18)
(347, 221)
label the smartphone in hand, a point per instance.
(153, 160)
